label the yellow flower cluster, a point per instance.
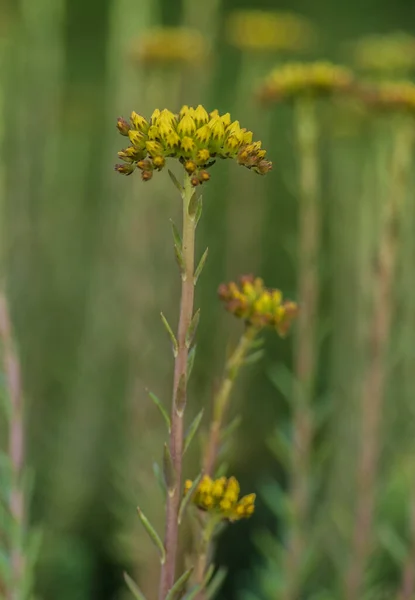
(170, 45)
(390, 96)
(386, 54)
(257, 30)
(193, 136)
(305, 79)
(258, 305)
(221, 498)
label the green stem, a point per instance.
(177, 416)
(221, 399)
(306, 341)
(374, 379)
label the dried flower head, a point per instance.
(258, 305)
(389, 96)
(220, 497)
(193, 136)
(391, 54)
(305, 79)
(170, 45)
(257, 30)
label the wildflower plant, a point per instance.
(195, 139)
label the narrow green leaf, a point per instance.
(152, 534)
(199, 208)
(194, 426)
(253, 358)
(180, 585)
(180, 261)
(176, 235)
(133, 587)
(191, 331)
(158, 474)
(191, 594)
(231, 428)
(222, 469)
(190, 361)
(193, 206)
(171, 334)
(175, 181)
(180, 397)
(257, 342)
(161, 408)
(216, 582)
(169, 471)
(200, 266)
(186, 499)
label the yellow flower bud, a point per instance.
(201, 116)
(217, 128)
(154, 148)
(188, 144)
(186, 126)
(159, 162)
(203, 156)
(172, 140)
(226, 119)
(203, 134)
(214, 113)
(154, 117)
(153, 133)
(136, 138)
(138, 122)
(247, 137)
(167, 116)
(234, 129)
(190, 167)
(123, 126)
(183, 111)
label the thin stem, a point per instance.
(180, 366)
(16, 449)
(306, 342)
(221, 398)
(374, 379)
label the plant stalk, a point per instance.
(180, 366)
(221, 398)
(306, 340)
(16, 450)
(374, 379)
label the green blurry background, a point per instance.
(90, 265)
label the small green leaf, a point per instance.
(180, 585)
(191, 331)
(175, 181)
(169, 471)
(152, 534)
(253, 358)
(231, 428)
(180, 261)
(222, 469)
(194, 426)
(200, 266)
(190, 361)
(186, 499)
(216, 582)
(176, 235)
(191, 594)
(198, 211)
(133, 587)
(171, 334)
(180, 397)
(161, 408)
(193, 206)
(159, 477)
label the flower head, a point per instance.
(396, 96)
(194, 137)
(169, 46)
(390, 54)
(220, 497)
(305, 79)
(258, 305)
(258, 30)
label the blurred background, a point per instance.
(88, 259)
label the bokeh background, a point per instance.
(89, 266)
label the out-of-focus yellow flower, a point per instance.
(390, 54)
(302, 79)
(258, 305)
(220, 497)
(193, 136)
(398, 96)
(258, 30)
(169, 46)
